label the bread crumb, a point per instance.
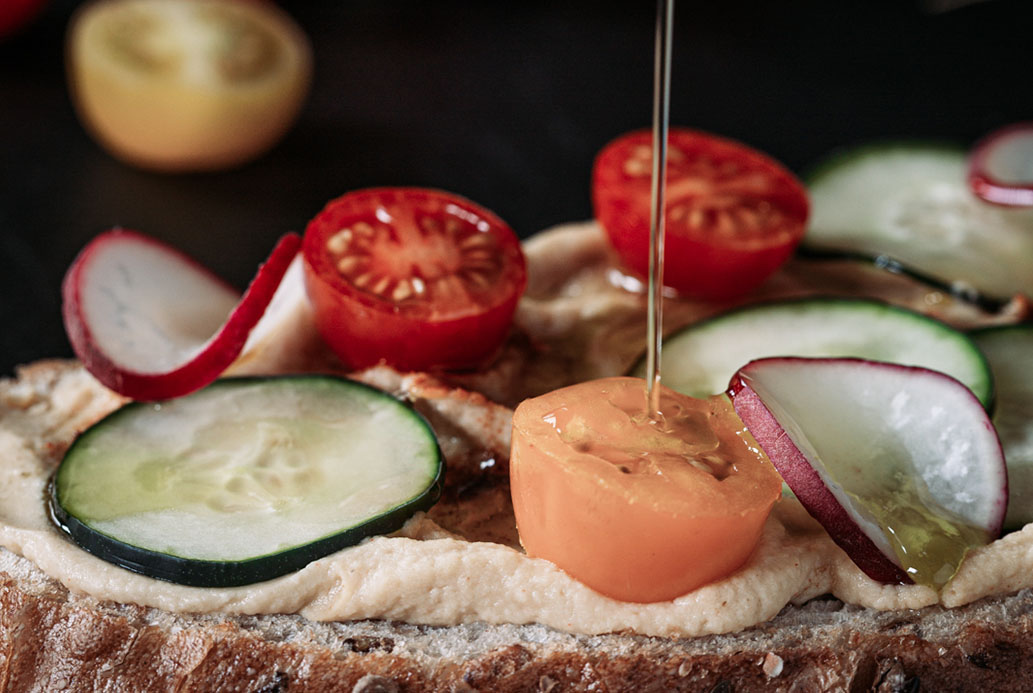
(375, 684)
(772, 665)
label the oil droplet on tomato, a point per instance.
(622, 432)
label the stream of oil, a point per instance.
(661, 117)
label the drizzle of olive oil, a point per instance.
(930, 542)
(672, 430)
(661, 117)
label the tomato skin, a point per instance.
(14, 14)
(637, 537)
(365, 329)
(760, 197)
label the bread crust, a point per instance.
(53, 640)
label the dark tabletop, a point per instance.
(505, 103)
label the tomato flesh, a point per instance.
(636, 510)
(418, 279)
(733, 215)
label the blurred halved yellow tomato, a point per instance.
(179, 85)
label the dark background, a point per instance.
(505, 103)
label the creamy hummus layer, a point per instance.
(425, 574)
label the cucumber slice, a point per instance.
(911, 204)
(1009, 349)
(700, 360)
(247, 479)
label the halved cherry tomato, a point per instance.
(733, 215)
(636, 510)
(414, 278)
(14, 14)
(187, 85)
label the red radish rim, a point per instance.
(798, 473)
(219, 351)
(990, 188)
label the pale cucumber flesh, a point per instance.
(701, 359)
(911, 202)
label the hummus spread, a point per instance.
(460, 562)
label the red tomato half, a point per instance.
(733, 215)
(415, 278)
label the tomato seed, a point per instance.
(479, 254)
(476, 278)
(477, 240)
(339, 242)
(381, 286)
(349, 264)
(403, 290)
(637, 168)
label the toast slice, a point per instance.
(54, 639)
(60, 639)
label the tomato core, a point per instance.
(636, 509)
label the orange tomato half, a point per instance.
(637, 510)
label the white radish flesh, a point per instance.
(150, 323)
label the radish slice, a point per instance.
(1001, 166)
(151, 323)
(286, 339)
(901, 465)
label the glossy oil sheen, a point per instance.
(681, 431)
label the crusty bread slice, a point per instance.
(55, 641)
